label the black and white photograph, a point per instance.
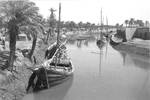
(74, 50)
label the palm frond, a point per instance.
(25, 13)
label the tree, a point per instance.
(117, 25)
(80, 24)
(131, 22)
(139, 22)
(33, 30)
(147, 23)
(51, 23)
(88, 24)
(16, 14)
(126, 22)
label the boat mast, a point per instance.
(101, 25)
(107, 35)
(59, 24)
(107, 24)
(58, 42)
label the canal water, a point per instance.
(101, 74)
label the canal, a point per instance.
(105, 74)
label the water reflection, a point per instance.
(137, 60)
(54, 93)
(72, 42)
(86, 42)
(140, 61)
(106, 50)
(81, 42)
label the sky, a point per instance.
(117, 11)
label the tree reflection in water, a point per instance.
(140, 61)
(79, 43)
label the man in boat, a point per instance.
(51, 51)
(38, 80)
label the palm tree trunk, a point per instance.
(13, 31)
(48, 34)
(33, 46)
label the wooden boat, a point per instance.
(100, 43)
(56, 69)
(59, 67)
(115, 40)
(60, 64)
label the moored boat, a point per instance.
(118, 38)
(55, 70)
(100, 43)
(115, 40)
(60, 63)
(59, 67)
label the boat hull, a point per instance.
(113, 43)
(100, 43)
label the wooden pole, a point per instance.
(107, 35)
(58, 42)
(101, 25)
(59, 24)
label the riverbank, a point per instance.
(13, 85)
(141, 47)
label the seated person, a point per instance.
(50, 51)
(38, 80)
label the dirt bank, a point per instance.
(13, 85)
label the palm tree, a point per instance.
(126, 22)
(147, 23)
(32, 31)
(131, 22)
(139, 22)
(16, 14)
(80, 24)
(52, 23)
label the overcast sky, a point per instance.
(89, 10)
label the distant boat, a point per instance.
(101, 42)
(114, 41)
(129, 34)
(118, 38)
